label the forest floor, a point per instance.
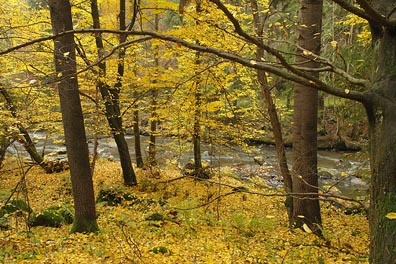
(169, 218)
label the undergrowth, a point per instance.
(175, 219)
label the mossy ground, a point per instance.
(195, 222)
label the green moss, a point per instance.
(161, 250)
(84, 226)
(111, 195)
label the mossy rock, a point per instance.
(4, 223)
(155, 217)
(129, 197)
(53, 216)
(111, 196)
(161, 250)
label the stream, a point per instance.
(335, 168)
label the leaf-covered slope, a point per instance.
(172, 219)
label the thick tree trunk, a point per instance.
(306, 208)
(72, 118)
(382, 119)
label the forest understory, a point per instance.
(167, 218)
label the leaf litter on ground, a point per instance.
(176, 219)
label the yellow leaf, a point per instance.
(347, 91)
(253, 62)
(59, 74)
(307, 52)
(307, 229)
(343, 174)
(391, 216)
(333, 44)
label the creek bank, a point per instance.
(325, 142)
(335, 168)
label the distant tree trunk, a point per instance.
(197, 130)
(136, 136)
(119, 136)
(111, 97)
(153, 129)
(136, 122)
(154, 94)
(72, 118)
(273, 115)
(306, 208)
(136, 127)
(197, 113)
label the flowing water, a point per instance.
(334, 167)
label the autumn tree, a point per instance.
(72, 118)
(154, 104)
(373, 94)
(111, 95)
(378, 98)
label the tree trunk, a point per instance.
(273, 115)
(197, 113)
(72, 118)
(111, 99)
(153, 130)
(154, 95)
(136, 135)
(306, 208)
(4, 144)
(382, 120)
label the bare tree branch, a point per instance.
(372, 13)
(367, 12)
(354, 10)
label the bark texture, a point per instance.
(72, 118)
(306, 208)
(382, 119)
